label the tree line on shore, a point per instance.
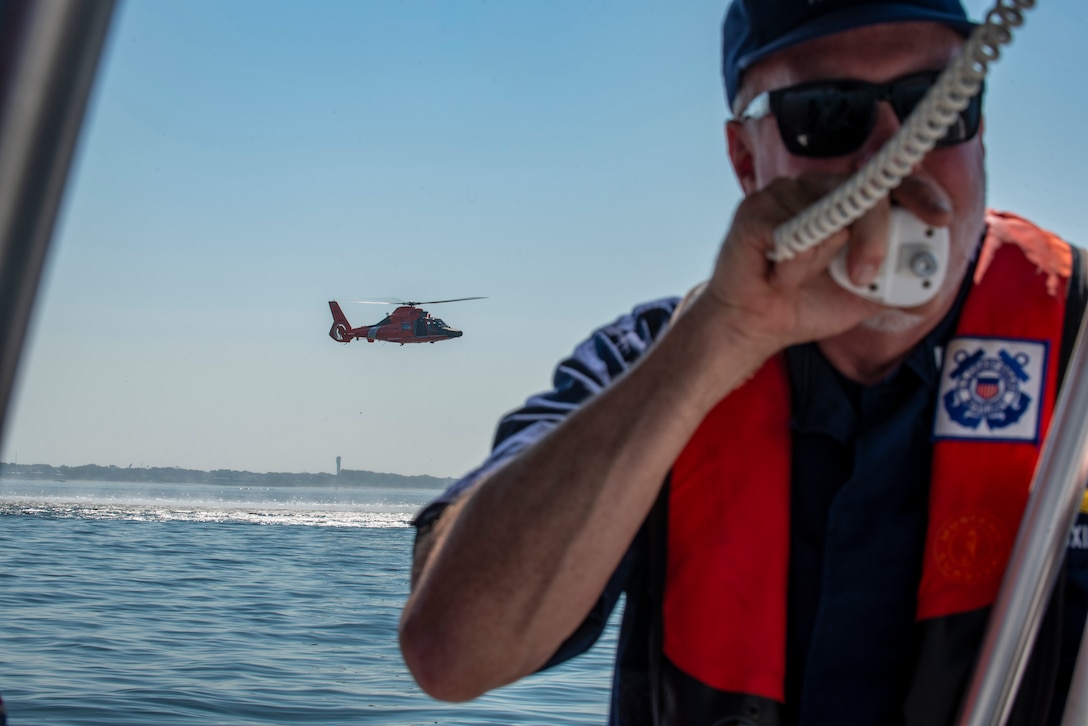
(175, 475)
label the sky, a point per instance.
(243, 162)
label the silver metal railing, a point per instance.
(1037, 555)
(49, 52)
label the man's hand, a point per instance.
(780, 304)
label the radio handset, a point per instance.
(917, 254)
(914, 266)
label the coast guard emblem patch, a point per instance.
(990, 389)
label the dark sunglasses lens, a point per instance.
(833, 119)
(908, 94)
(824, 120)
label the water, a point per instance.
(144, 604)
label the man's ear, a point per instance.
(740, 144)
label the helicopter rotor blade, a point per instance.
(435, 302)
(412, 303)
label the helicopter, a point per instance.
(407, 324)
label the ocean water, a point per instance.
(127, 603)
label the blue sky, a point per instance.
(245, 162)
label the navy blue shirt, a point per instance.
(861, 463)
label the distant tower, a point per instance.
(338, 466)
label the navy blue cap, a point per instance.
(754, 29)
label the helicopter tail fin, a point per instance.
(341, 328)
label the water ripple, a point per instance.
(130, 614)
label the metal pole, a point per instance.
(49, 51)
(1057, 490)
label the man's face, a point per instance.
(877, 53)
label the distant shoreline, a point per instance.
(175, 475)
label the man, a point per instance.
(760, 474)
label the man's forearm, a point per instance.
(510, 571)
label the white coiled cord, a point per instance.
(940, 108)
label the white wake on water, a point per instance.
(299, 506)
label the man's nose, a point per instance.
(887, 123)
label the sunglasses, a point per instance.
(833, 118)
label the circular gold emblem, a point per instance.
(972, 548)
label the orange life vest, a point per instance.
(724, 609)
